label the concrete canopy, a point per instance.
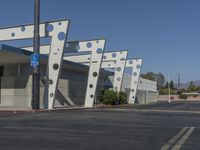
(13, 55)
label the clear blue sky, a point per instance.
(166, 33)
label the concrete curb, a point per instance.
(152, 110)
(97, 108)
(41, 110)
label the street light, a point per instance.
(169, 100)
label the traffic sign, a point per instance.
(34, 60)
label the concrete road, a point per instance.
(106, 129)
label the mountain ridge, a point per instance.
(185, 85)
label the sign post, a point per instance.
(35, 59)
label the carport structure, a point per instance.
(57, 30)
(112, 59)
(118, 61)
(88, 52)
(95, 49)
(15, 70)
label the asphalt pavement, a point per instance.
(133, 128)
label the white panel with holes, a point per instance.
(79, 58)
(96, 48)
(20, 32)
(118, 76)
(94, 69)
(135, 64)
(57, 30)
(116, 59)
(108, 64)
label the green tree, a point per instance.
(160, 80)
(167, 84)
(149, 76)
(191, 87)
(171, 85)
(197, 88)
(181, 91)
(165, 91)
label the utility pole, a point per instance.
(36, 58)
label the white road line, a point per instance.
(180, 143)
(173, 140)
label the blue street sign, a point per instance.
(34, 60)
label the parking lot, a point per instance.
(139, 127)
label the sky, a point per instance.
(165, 33)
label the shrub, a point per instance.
(109, 97)
(195, 95)
(122, 98)
(163, 91)
(183, 96)
(100, 95)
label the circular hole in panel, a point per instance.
(116, 88)
(89, 44)
(61, 36)
(59, 23)
(51, 95)
(55, 66)
(104, 57)
(138, 66)
(94, 74)
(91, 85)
(88, 58)
(108, 64)
(135, 73)
(115, 61)
(13, 34)
(99, 50)
(50, 28)
(118, 68)
(130, 62)
(23, 28)
(97, 41)
(118, 79)
(132, 90)
(50, 81)
(58, 49)
(91, 96)
(133, 97)
(114, 55)
(123, 59)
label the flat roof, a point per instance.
(14, 55)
